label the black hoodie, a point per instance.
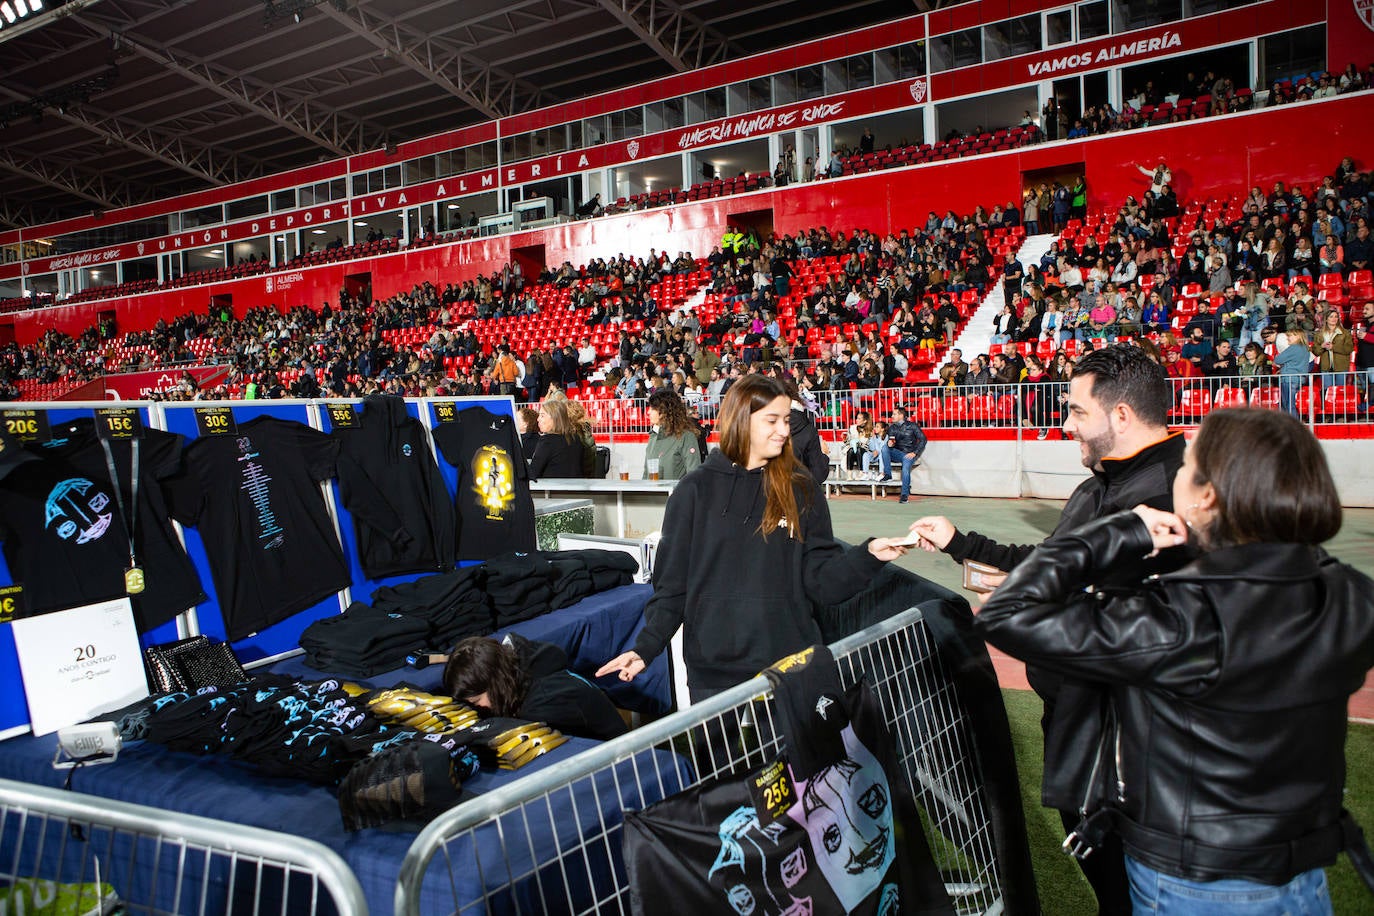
(745, 600)
(389, 481)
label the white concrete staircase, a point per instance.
(973, 339)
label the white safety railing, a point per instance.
(551, 842)
(1319, 399)
(159, 861)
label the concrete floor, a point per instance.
(1027, 521)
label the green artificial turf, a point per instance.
(1062, 887)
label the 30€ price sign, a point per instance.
(216, 421)
(446, 413)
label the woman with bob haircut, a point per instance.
(1221, 758)
(747, 547)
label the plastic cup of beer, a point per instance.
(653, 468)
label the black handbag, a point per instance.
(190, 664)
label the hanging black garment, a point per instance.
(256, 501)
(495, 509)
(389, 481)
(66, 538)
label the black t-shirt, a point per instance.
(495, 509)
(256, 500)
(68, 543)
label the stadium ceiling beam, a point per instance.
(491, 91)
(674, 34)
(204, 162)
(332, 130)
(95, 188)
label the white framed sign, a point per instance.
(79, 662)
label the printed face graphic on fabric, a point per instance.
(847, 812)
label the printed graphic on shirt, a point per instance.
(749, 851)
(847, 812)
(255, 480)
(493, 480)
(78, 507)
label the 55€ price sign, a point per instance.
(342, 416)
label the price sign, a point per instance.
(216, 421)
(446, 413)
(343, 416)
(26, 425)
(11, 602)
(118, 423)
(79, 663)
(772, 791)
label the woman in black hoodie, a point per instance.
(747, 548)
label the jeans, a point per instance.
(889, 455)
(1288, 392)
(1155, 892)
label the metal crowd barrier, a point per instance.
(551, 842)
(1318, 399)
(163, 862)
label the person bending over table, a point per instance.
(520, 678)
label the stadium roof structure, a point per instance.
(107, 103)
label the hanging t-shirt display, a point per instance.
(389, 481)
(67, 529)
(495, 509)
(255, 499)
(830, 829)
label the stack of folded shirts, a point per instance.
(511, 743)
(454, 603)
(519, 587)
(363, 640)
(424, 712)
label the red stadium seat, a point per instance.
(1227, 396)
(1341, 400)
(1194, 402)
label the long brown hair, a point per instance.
(781, 475)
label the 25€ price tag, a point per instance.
(26, 425)
(343, 416)
(772, 791)
(118, 422)
(216, 421)
(79, 663)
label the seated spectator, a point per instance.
(558, 451)
(527, 424)
(1198, 348)
(1253, 364)
(1221, 362)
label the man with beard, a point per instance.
(1118, 406)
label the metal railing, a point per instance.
(1319, 399)
(160, 861)
(551, 842)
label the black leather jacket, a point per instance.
(907, 437)
(1072, 719)
(1224, 753)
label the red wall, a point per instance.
(1214, 157)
